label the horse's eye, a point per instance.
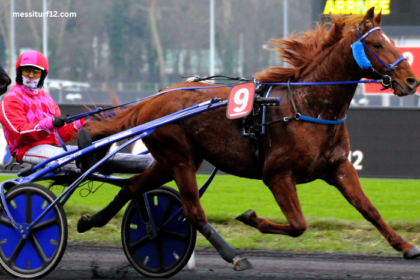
(377, 46)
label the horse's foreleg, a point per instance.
(148, 180)
(347, 182)
(284, 191)
(184, 176)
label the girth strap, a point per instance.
(253, 120)
(257, 156)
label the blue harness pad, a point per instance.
(360, 55)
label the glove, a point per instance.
(59, 121)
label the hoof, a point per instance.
(244, 218)
(84, 224)
(412, 253)
(240, 263)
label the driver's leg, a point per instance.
(41, 153)
(128, 163)
(119, 163)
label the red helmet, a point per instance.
(33, 58)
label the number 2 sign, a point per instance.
(241, 99)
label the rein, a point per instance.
(297, 116)
(100, 109)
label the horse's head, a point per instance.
(377, 56)
(4, 81)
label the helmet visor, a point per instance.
(26, 71)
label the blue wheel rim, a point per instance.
(35, 253)
(171, 243)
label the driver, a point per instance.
(33, 124)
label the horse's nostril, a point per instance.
(411, 83)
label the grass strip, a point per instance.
(323, 235)
(333, 224)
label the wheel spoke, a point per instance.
(161, 254)
(6, 222)
(139, 243)
(38, 249)
(28, 207)
(167, 212)
(17, 251)
(45, 224)
(173, 235)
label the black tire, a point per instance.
(171, 250)
(40, 253)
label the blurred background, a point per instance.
(139, 47)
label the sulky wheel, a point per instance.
(39, 254)
(173, 245)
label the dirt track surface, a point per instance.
(106, 262)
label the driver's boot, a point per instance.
(83, 141)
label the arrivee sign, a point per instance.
(413, 57)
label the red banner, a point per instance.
(413, 57)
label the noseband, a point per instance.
(364, 63)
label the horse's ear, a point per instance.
(378, 19)
(370, 14)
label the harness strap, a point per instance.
(298, 116)
(252, 121)
(315, 120)
(305, 118)
(398, 61)
(291, 97)
(215, 77)
(255, 149)
(367, 33)
(325, 83)
(60, 140)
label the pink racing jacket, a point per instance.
(27, 118)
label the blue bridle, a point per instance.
(359, 55)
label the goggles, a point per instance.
(26, 71)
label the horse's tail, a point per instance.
(123, 119)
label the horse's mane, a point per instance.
(299, 52)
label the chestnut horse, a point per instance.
(295, 152)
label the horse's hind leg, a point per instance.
(347, 182)
(185, 178)
(152, 178)
(284, 191)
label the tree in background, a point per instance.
(117, 27)
(5, 34)
(151, 41)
